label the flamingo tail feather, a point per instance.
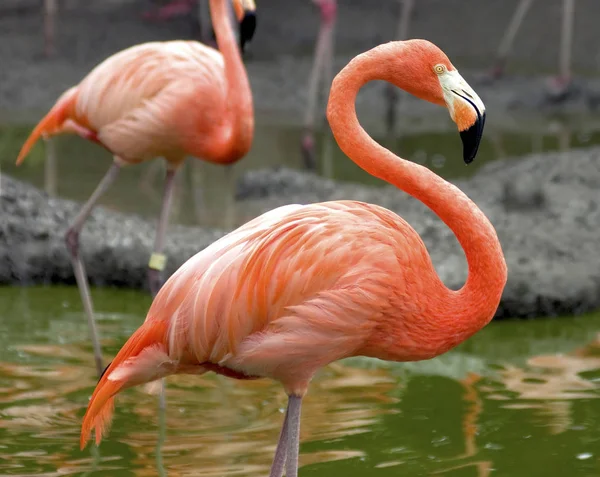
(51, 123)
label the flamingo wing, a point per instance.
(292, 282)
(138, 99)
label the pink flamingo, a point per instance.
(169, 99)
(305, 285)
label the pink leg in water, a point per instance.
(321, 56)
(286, 453)
(72, 240)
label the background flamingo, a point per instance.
(169, 99)
(302, 286)
(560, 85)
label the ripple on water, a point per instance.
(466, 414)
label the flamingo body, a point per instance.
(269, 299)
(155, 99)
(304, 285)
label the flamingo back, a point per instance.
(141, 100)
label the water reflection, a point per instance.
(550, 384)
(357, 420)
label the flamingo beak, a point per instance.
(471, 136)
(247, 23)
(466, 109)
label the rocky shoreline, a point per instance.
(546, 209)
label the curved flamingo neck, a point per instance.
(460, 313)
(237, 137)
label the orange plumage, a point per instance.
(304, 285)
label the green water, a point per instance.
(520, 399)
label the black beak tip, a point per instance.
(247, 28)
(471, 138)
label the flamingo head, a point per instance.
(465, 107)
(245, 11)
(425, 71)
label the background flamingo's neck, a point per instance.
(463, 312)
(240, 110)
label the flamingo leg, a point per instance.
(281, 450)
(328, 14)
(566, 46)
(162, 429)
(158, 260)
(293, 410)
(72, 239)
(230, 191)
(50, 8)
(50, 167)
(509, 37)
(391, 91)
(327, 150)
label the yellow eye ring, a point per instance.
(439, 69)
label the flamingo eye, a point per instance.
(439, 69)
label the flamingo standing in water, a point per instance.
(305, 285)
(169, 99)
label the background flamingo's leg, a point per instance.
(72, 239)
(391, 92)
(328, 15)
(509, 38)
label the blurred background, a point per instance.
(518, 399)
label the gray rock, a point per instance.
(545, 209)
(115, 247)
